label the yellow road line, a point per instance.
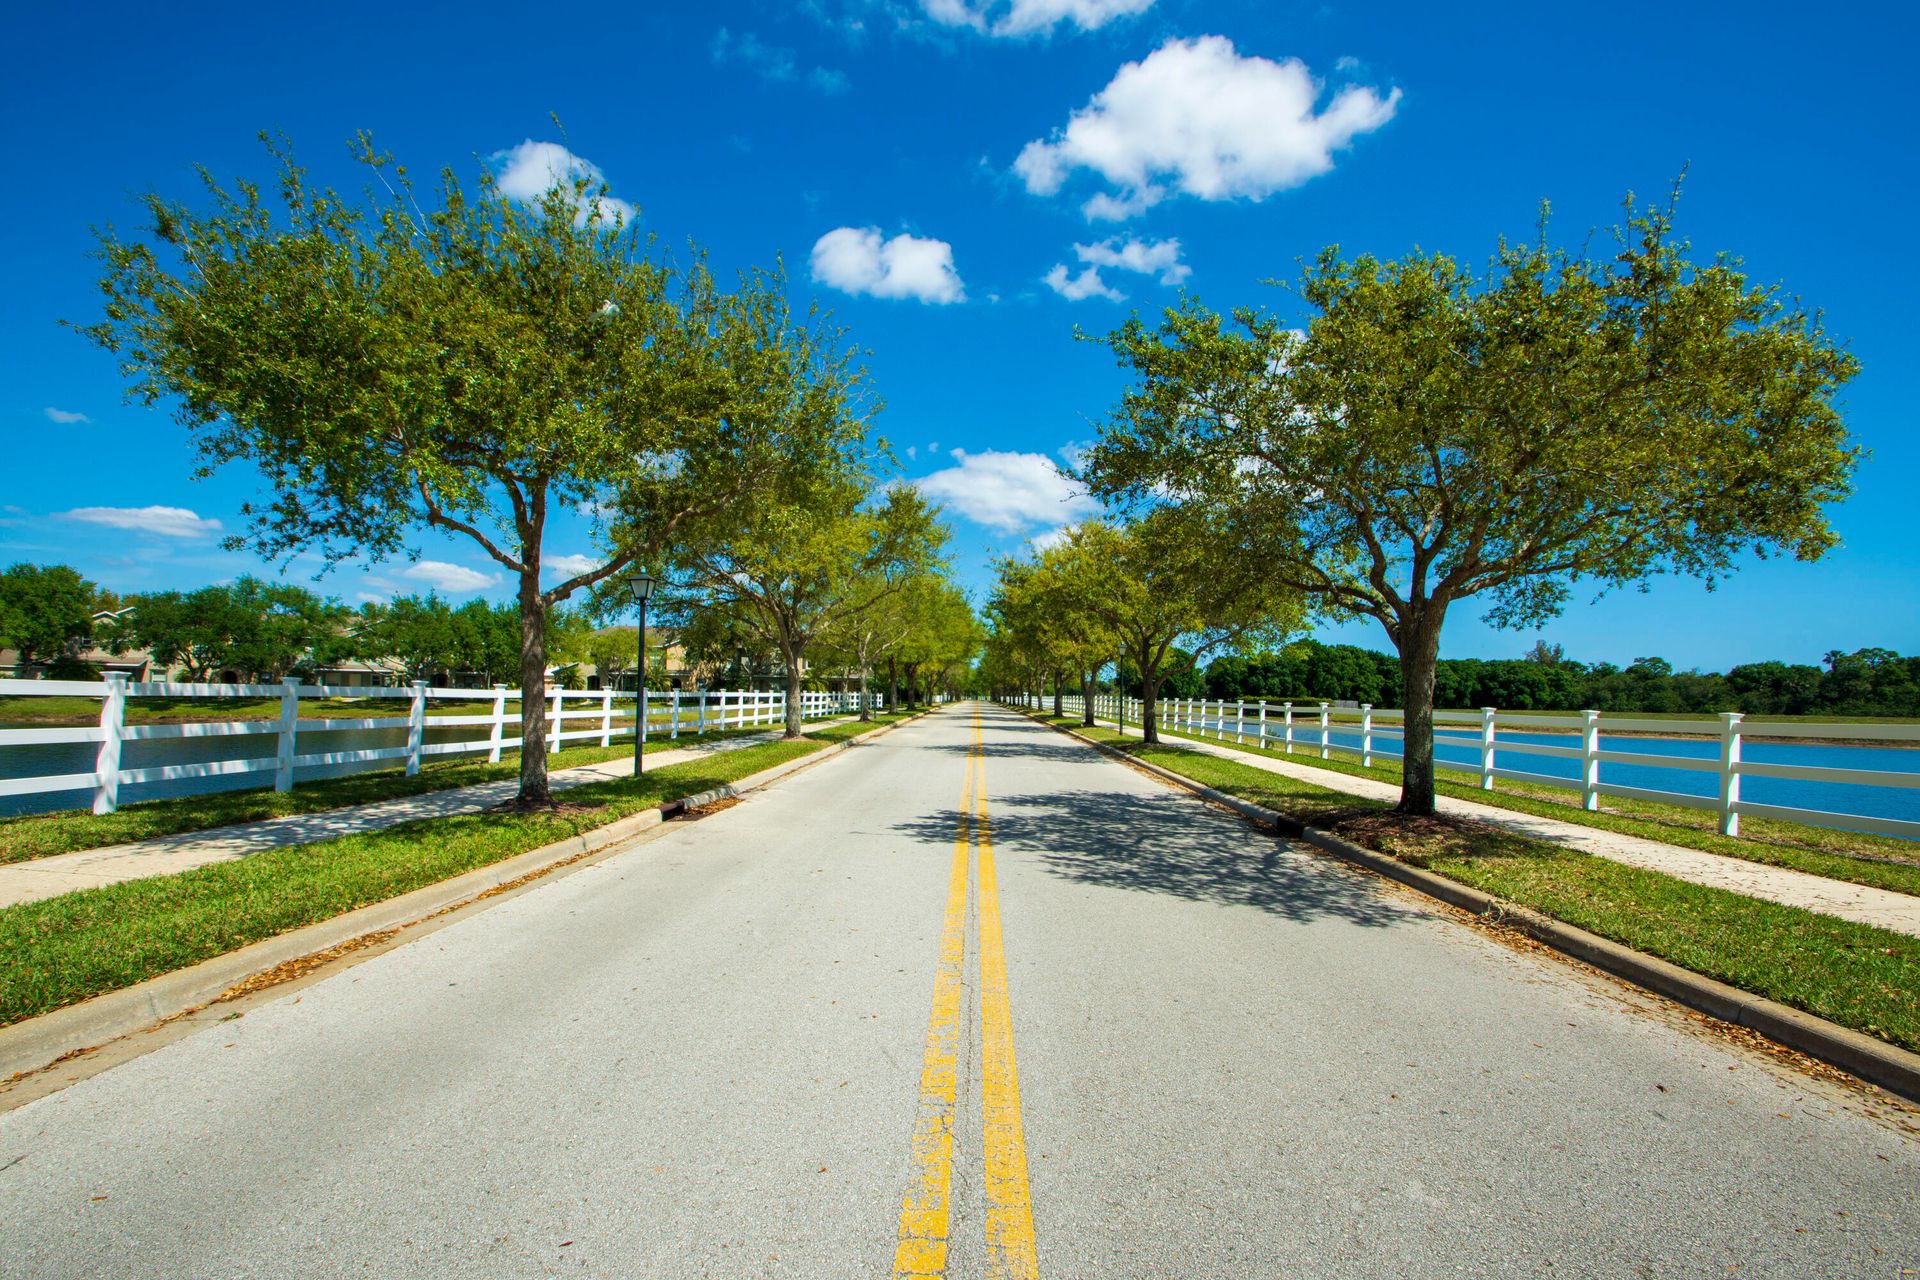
(1011, 1250)
(924, 1213)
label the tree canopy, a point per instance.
(1438, 434)
(1170, 588)
(468, 368)
(807, 558)
(45, 610)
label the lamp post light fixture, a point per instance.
(641, 586)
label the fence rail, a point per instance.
(1321, 729)
(569, 716)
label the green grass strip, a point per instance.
(43, 835)
(62, 950)
(1854, 974)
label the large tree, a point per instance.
(942, 637)
(1042, 606)
(1170, 588)
(470, 368)
(258, 629)
(45, 610)
(808, 558)
(1438, 434)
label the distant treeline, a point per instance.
(1866, 682)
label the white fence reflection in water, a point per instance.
(1322, 729)
(571, 716)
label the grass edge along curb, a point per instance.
(40, 1042)
(1868, 1057)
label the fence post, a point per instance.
(1287, 711)
(606, 717)
(1323, 731)
(644, 713)
(1240, 722)
(499, 724)
(289, 721)
(1590, 760)
(1729, 772)
(1486, 748)
(673, 725)
(1366, 735)
(553, 740)
(416, 726)
(1263, 724)
(703, 713)
(106, 762)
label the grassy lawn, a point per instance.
(1882, 862)
(62, 950)
(1852, 974)
(41, 835)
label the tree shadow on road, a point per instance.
(1168, 844)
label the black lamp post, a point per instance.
(641, 585)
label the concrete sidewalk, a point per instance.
(1861, 904)
(165, 855)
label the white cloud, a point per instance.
(1148, 257)
(856, 260)
(828, 81)
(165, 522)
(452, 578)
(1195, 118)
(64, 417)
(1160, 258)
(532, 169)
(1087, 284)
(1050, 539)
(1103, 206)
(569, 566)
(1008, 491)
(1029, 17)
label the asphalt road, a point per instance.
(849, 1026)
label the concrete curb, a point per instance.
(1889, 1066)
(36, 1043)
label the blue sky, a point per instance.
(966, 185)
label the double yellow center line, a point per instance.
(925, 1214)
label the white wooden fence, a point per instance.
(571, 716)
(1311, 728)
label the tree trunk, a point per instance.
(1149, 710)
(1059, 696)
(1419, 643)
(1086, 699)
(866, 712)
(893, 684)
(794, 718)
(533, 693)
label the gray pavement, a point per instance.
(166, 855)
(703, 1057)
